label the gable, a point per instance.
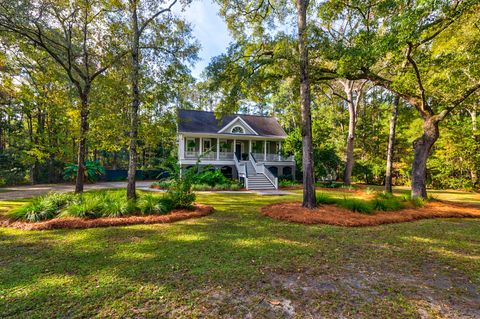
(238, 126)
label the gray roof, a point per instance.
(193, 121)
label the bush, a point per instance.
(388, 202)
(150, 204)
(323, 198)
(287, 183)
(356, 205)
(43, 208)
(93, 170)
(210, 177)
(329, 184)
(92, 205)
(164, 184)
(201, 187)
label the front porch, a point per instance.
(223, 150)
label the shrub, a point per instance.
(93, 205)
(164, 184)
(329, 184)
(201, 187)
(356, 205)
(150, 204)
(287, 183)
(93, 170)
(323, 198)
(42, 208)
(210, 177)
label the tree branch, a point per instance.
(149, 20)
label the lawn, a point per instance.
(237, 263)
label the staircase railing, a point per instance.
(241, 169)
(261, 169)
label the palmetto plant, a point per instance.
(93, 170)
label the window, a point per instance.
(238, 130)
(207, 145)
(225, 146)
(191, 144)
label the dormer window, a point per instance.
(237, 130)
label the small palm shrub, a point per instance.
(93, 170)
(388, 202)
(323, 198)
(94, 204)
(43, 208)
(356, 205)
(150, 204)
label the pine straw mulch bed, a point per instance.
(80, 223)
(333, 215)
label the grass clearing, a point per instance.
(237, 263)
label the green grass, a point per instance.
(236, 263)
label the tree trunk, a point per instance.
(309, 199)
(422, 147)
(391, 145)
(82, 144)
(475, 136)
(349, 160)
(132, 163)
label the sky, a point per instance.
(209, 29)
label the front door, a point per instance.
(238, 151)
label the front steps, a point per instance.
(257, 181)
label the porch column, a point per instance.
(200, 148)
(265, 150)
(181, 148)
(279, 150)
(249, 146)
(218, 149)
(234, 146)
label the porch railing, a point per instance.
(260, 157)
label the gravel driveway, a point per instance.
(25, 191)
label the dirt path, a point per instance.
(26, 191)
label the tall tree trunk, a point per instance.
(476, 139)
(353, 96)
(132, 163)
(422, 147)
(309, 199)
(349, 160)
(82, 144)
(391, 145)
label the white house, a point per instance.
(247, 147)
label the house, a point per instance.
(247, 147)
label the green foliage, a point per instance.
(381, 202)
(210, 177)
(323, 198)
(94, 204)
(356, 205)
(329, 184)
(44, 207)
(163, 184)
(93, 170)
(388, 202)
(151, 204)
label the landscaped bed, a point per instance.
(196, 211)
(103, 209)
(333, 215)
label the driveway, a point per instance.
(25, 191)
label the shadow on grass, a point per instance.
(154, 268)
